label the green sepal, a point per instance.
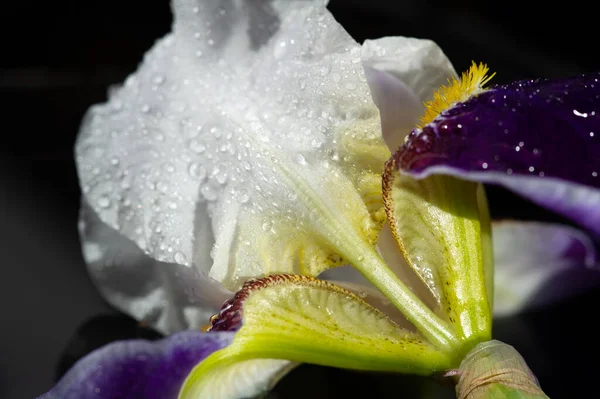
(441, 225)
(302, 319)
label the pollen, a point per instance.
(471, 83)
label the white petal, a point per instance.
(245, 379)
(168, 296)
(537, 263)
(402, 74)
(188, 153)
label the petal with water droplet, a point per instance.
(242, 117)
(538, 138)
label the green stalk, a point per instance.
(369, 263)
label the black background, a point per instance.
(57, 58)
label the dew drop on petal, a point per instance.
(197, 146)
(180, 257)
(209, 192)
(299, 158)
(243, 196)
(221, 175)
(197, 171)
(103, 201)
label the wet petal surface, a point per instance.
(539, 138)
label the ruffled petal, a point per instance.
(168, 296)
(538, 263)
(402, 74)
(138, 368)
(247, 125)
(538, 138)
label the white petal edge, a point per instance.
(167, 296)
(402, 73)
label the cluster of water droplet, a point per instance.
(214, 110)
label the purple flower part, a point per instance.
(138, 368)
(539, 138)
(540, 263)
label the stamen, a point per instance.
(471, 83)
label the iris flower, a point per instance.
(242, 164)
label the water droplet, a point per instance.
(103, 202)
(246, 165)
(316, 143)
(169, 167)
(279, 50)
(172, 205)
(325, 70)
(299, 158)
(180, 258)
(114, 161)
(292, 196)
(221, 174)
(266, 226)
(162, 186)
(197, 146)
(209, 192)
(243, 196)
(197, 171)
(158, 79)
(145, 108)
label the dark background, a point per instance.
(57, 58)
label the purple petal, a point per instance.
(539, 263)
(539, 138)
(138, 368)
